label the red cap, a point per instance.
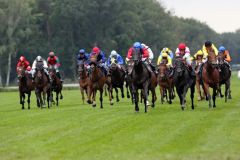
(22, 58)
(182, 46)
(96, 50)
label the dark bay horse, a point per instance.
(210, 77)
(42, 86)
(83, 80)
(117, 77)
(165, 82)
(56, 84)
(225, 75)
(140, 79)
(97, 79)
(182, 81)
(25, 85)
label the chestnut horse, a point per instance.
(225, 75)
(96, 82)
(56, 84)
(210, 77)
(165, 82)
(83, 80)
(25, 85)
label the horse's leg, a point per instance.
(122, 91)
(57, 97)
(89, 94)
(206, 88)
(101, 98)
(220, 92)
(116, 90)
(110, 92)
(82, 93)
(21, 99)
(170, 95)
(198, 90)
(94, 98)
(145, 96)
(229, 91)
(153, 97)
(128, 95)
(105, 90)
(61, 96)
(29, 95)
(192, 95)
(185, 89)
(214, 97)
(162, 94)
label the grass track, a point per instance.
(76, 131)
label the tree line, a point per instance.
(36, 27)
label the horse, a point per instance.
(97, 79)
(42, 86)
(182, 81)
(56, 84)
(225, 75)
(210, 77)
(83, 80)
(140, 79)
(117, 77)
(165, 82)
(25, 86)
(201, 93)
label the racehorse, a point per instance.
(225, 75)
(117, 77)
(165, 82)
(83, 80)
(97, 79)
(42, 86)
(182, 81)
(140, 79)
(25, 85)
(199, 84)
(210, 77)
(56, 84)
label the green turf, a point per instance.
(76, 131)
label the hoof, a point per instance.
(94, 105)
(182, 108)
(61, 97)
(89, 102)
(148, 104)
(28, 108)
(128, 96)
(23, 108)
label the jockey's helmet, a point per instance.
(51, 54)
(137, 45)
(199, 53)
(167, 50)
(81, 51)
(113, 53)
(182, 46)
(39, 59)
(96, 50)
(164, 54)
(208, 44)
(22, 59)
(222, 49)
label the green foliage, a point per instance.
(35, 27)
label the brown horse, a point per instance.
(200, 92)
(56, 84)
(225, 75)
(210, 77)
(42, 86)
(25, 85)
(165, 82)
(83, 80)
(97, 81)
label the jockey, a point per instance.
(206, 47)
(165, 57)
(151, 55)
(100, 59)
(137, 47)
(184, 52)
(40, 60)
(223, 50)
(29, 70)
(199, 59)
(119, 60)
(53, 61)
(82, 57)
(168, 51)
(22, 62)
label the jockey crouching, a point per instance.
(166, 59)
(53, 61)
(100, 59)
(22, 62)
(114, 57)
(199, 60)
(137, 47)
(184, 52)
(83, 58)
(227, 58)
(40, 61)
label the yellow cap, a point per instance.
(164, 54)
(200, 53)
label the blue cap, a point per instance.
(137, 45)
(222, 49)
(81, 51)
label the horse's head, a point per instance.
(162, 69)
(179, 66)
(113, 66)
(81, 70)
(136, 56)
(21, 72)
(212, 58)
(52, 71)
(221, 58)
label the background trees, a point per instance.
(35, 27)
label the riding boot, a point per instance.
(149, 68)
(59, 76)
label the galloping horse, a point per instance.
(210, 77)
(199, 83)
(97, 81)
(165, 82)
(225, 75)
(140, 79)
(117, 77)
(56, 84)
(182, 81)
(25, 86)
(42, 86)
(83, 80)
